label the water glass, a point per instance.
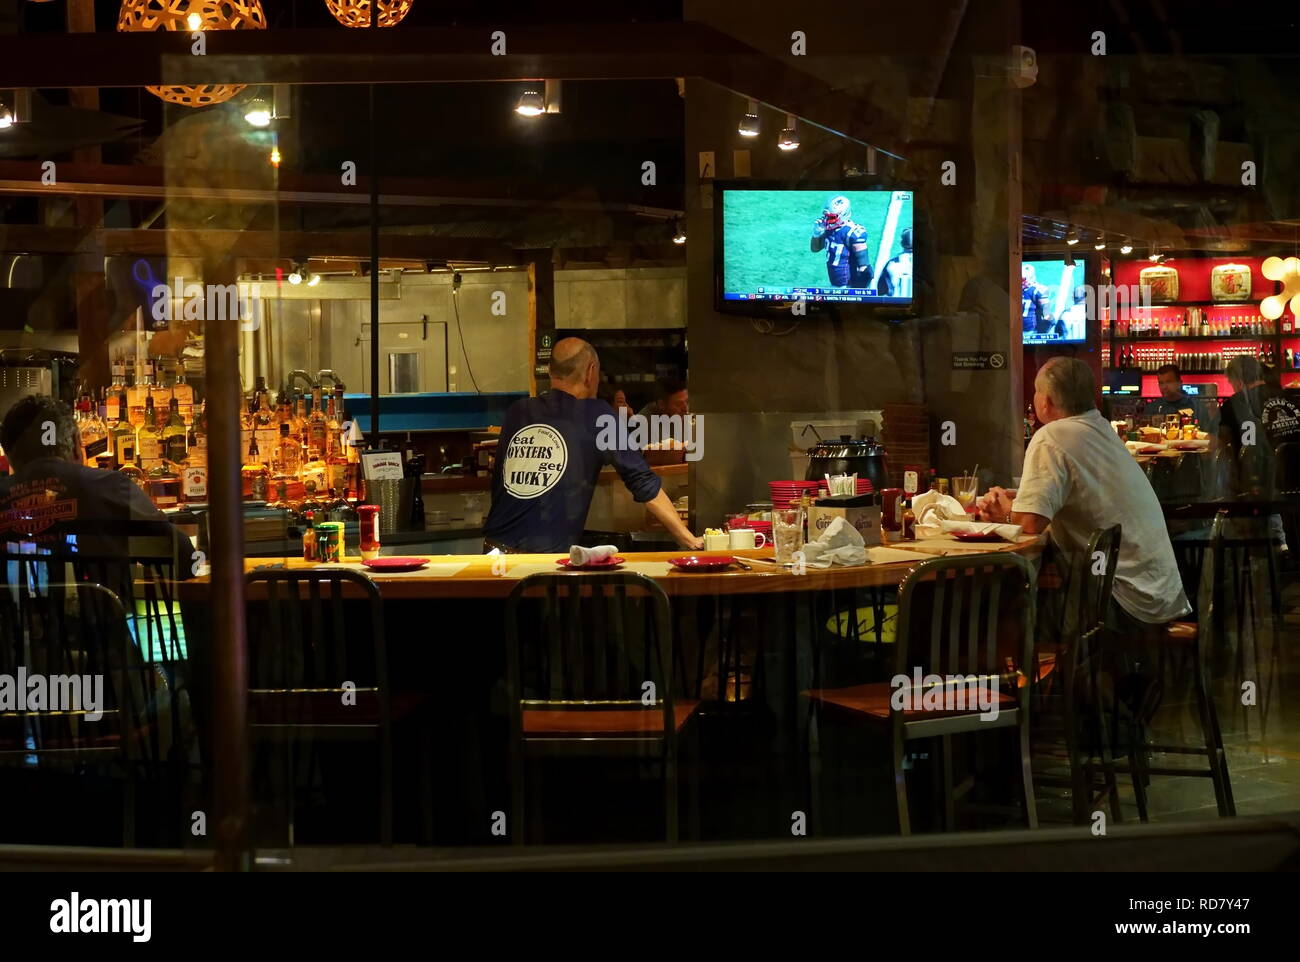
(787, 534)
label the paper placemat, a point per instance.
(888, 555)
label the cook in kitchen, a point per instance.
(551, 453)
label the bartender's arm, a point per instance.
(661, 506)
(647, 489)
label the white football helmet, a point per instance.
(837, 209)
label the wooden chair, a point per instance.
(72, 629)
(309, 678)
(1088, 733)
(592, 675)
(1195, 640)
(963, 616)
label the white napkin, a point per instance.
(578, 555)
(1007, 532)
(840, 544)
(931, 508)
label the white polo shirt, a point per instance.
(1079, 474)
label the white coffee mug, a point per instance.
(744, 538)
(716, 542)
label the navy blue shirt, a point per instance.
(547, 464)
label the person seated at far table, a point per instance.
(1078, 477)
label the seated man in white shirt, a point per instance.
(1078, 477)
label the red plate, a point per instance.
(396, 564)
(696, 562)
(976, 536)
(605, 565)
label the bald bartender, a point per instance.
(548, 461)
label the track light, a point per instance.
(313, 279)
(749, 125)
(295, 277)
(531, 104)
(679, 232)
(257, 112)
(1100, 243)
(6, 116)
(789, 139)
(1072, 237)
(1126, 247)
(1155, 256)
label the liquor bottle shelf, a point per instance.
(1157, 338)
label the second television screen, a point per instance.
(1053, 302)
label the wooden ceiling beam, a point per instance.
(607, 51)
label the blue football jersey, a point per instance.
(840, 258)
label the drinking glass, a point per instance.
(964, 487)
(787, 534)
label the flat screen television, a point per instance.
(827, 246)
(1053, 301)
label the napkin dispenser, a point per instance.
(860, 510)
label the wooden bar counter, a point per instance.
(484, 576)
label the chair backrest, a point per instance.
(1093, 579)
(72, 636)
(965, 615)
(300, 639)
(583, 641)
(1286, 469)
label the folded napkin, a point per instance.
(818, 555)
(840, 544)
(1007, 532)
(931, 508)
(578, 555)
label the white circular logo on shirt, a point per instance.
(535, 460)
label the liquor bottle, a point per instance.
(198, 439)
(132, 470)
(162, 395)
(183, 392)
(194, 477)
(286, 462)
(283, 411)
(119, 371)
(253, 475)
(264, 424)
(148, 439)
(245, 425)
(93, 431)
(353, 483)
(123, 434)
(317, 429)
(174, 435)
(309, 536)
(333, 423)
(298, 423)
(136, 393)
(164, 485)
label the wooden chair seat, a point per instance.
(601, 722)
(872, 700)
(326, 708)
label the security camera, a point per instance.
(1023, 66)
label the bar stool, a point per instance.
(970, 633)
(593, 677)
(308, 678)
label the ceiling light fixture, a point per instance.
(1100, 243)
(749, 124)
(1126, 247)
(789, 139)
(257, 112)
(531, 104)
(6, 116)
(679, 232)
(1072, 237)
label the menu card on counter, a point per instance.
(382, 465)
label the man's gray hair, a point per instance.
(574, 365)
(1243, 369)
(1069, 383)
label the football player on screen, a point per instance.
(847, 262)
(1035, 309)
(896, 275)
